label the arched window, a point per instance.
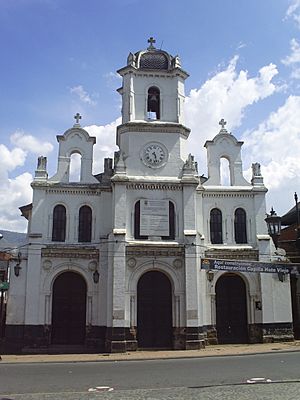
(59, 224)
(85, 224)
(153, 103)
(216, 236)
(240, 230)
(137, 221)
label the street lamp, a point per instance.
(274, 225)
(17, 267)
(298, 227)
(96, 276)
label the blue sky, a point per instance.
(59, 57)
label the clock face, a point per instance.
(154, 155)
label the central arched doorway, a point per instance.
(231, 309)
(68, 309)
(154, 311)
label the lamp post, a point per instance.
(274, 225)
(298, 227)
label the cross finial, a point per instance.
(77, 118)
(151, 40)
(222, 123)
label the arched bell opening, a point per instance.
(153, 103)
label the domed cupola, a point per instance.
(153, 59)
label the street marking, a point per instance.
(258, 380)
(101, 389)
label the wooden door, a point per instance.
(231, 309)
(68, 309)
(154, 311)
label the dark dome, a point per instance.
(154, 60)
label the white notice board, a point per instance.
(154, 218)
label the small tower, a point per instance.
(75, 141)
(152, 113)
(153, 86)
(224, 145)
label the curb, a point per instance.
(81, 358)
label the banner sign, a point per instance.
(245, 266)
(154, 220)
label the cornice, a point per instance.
(86, 190)
(226, 194)
(153, 186)
(145, 250)
(89, 253)
(161, 127)
(157, 73)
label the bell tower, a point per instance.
(152, 136)
(153, 86)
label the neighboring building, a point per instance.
(288, 241)
(113, 261)
(5, 257)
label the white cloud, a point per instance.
(275, 145)
(15, 193)
(293, 11)
(15, 189)
(225, 95)
(294, 57)
(82, 94)
(10, 159)
(30, 143)
(293, 60)
(105, 142)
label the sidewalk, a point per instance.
(209, 351)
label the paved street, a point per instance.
(205, 378)
(278, 391)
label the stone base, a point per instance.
(120, 340)
(179, 338)
(194, 338)
(36, 339)
(210, 335)
(255, 333)
(277, 332)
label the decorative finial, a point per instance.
(151, 40)
(222, 123)
(77, 118)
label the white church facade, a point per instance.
(115, 261)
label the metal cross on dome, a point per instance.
(77, 118)
(222, 123)
(151, 40)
